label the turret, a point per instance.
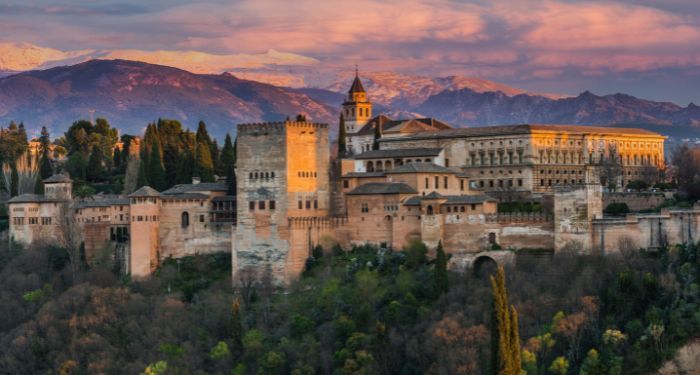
(58, 186)
(357, 109)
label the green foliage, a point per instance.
(559, 366)
(637, 185)
(158, 368)
(14, 180)
(142, 180)
(440, 271)
(156, 173)
(220, 351)
(77, 166)
(228, 163)
(95, 168)
(203, 165)
(342, 135)
(83, 191)
(617, 209)
(505, 337)
(416, 254)
(519, 206)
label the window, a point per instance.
(272, 205)
(437, 182)
(201, 218)
(364, 207)
(346, 184)
(308, 204)
(46, 220)
(445, 182)
(427, 183)
(261, 205)
(447, 162)
(461, 184)
(315, 204)
(300, 205)
(33, 220)
(251, 206)
(184, 219)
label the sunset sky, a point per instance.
(648, 48)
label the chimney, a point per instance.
(195, 180)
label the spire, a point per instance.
(356, 84)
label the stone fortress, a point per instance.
(398, 181)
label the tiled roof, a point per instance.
(145, 191)
(383, 188)
(202, 186)
(486, 131)
(421, 168)
(399, 153)
(394, 126)
(98, 201)
(364, 174)
(57, 178)
(31, 198)
(451, 199)
(184, 196)
(356, 85)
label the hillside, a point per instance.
(130, 94)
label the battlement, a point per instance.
(519, 217)
(276, 126)
(317, 222)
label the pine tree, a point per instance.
(228, 160)
(342, 135)
(156, 173)
(141, 181)
(441, 279)
(505, 338)
(203, 167)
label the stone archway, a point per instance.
(484, 266)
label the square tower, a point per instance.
(357, 109)
(283, 172)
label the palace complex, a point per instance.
(396, 181)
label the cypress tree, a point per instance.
(505, 338)
(141, 181)
(117, 159)
(45, 169)
(203, 167)
(377, 135)
(441, 279)
(236, 325)
(185, 168)
(39, 185)
(156, 173)
(228, 160)
(342, 135)
(95, 170)
(14, 180)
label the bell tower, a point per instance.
(357, 110)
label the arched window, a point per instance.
(185, 220)
(370, 166)
(430, 210)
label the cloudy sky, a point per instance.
(648, 48)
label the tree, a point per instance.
(141, 180)
(117, 159)
(377, 135)
(95, 168)
(39, 185)
(686, 162)
(203, 167)
(77, 167)
(236, 325)
(156, 173)
(440, 272)
(342, 135)
(185, 168)
(505, 338)
(45, 169)
(610, 167)
(14, 181)
(228, 163)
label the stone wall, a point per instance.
(574, 209)
(635, 201)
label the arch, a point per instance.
(484, 266)
(185, 219)
(370, 166)
(430, 210)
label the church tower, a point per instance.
(357, 110)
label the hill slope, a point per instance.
(130, 94)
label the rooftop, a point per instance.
(57, 178)
(31, 198)
(451, 199)
(190, 188)
(373, 188)
(399, 153)
(145, 191)
(486, 131)
(421, 168)
(402, 126)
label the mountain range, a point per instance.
(130, 94)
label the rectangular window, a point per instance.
(272, 205)
(437, 182)
(346, 184)
(461, 184)
(33, 220)
(520, 182)
(138, 218)
(445, 183)
(308, 204)
(473, 207)
(300, 205)
(427, 183)
(201, 218)
(261, 205)
(315, 203)
(251, 206)
(447, 162)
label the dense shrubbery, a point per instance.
(520, 206)
(617, 209)
(361, 311)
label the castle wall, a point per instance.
(35, 222)
(200, 236)
(574, 209)
(635, 201)
(144, 242)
